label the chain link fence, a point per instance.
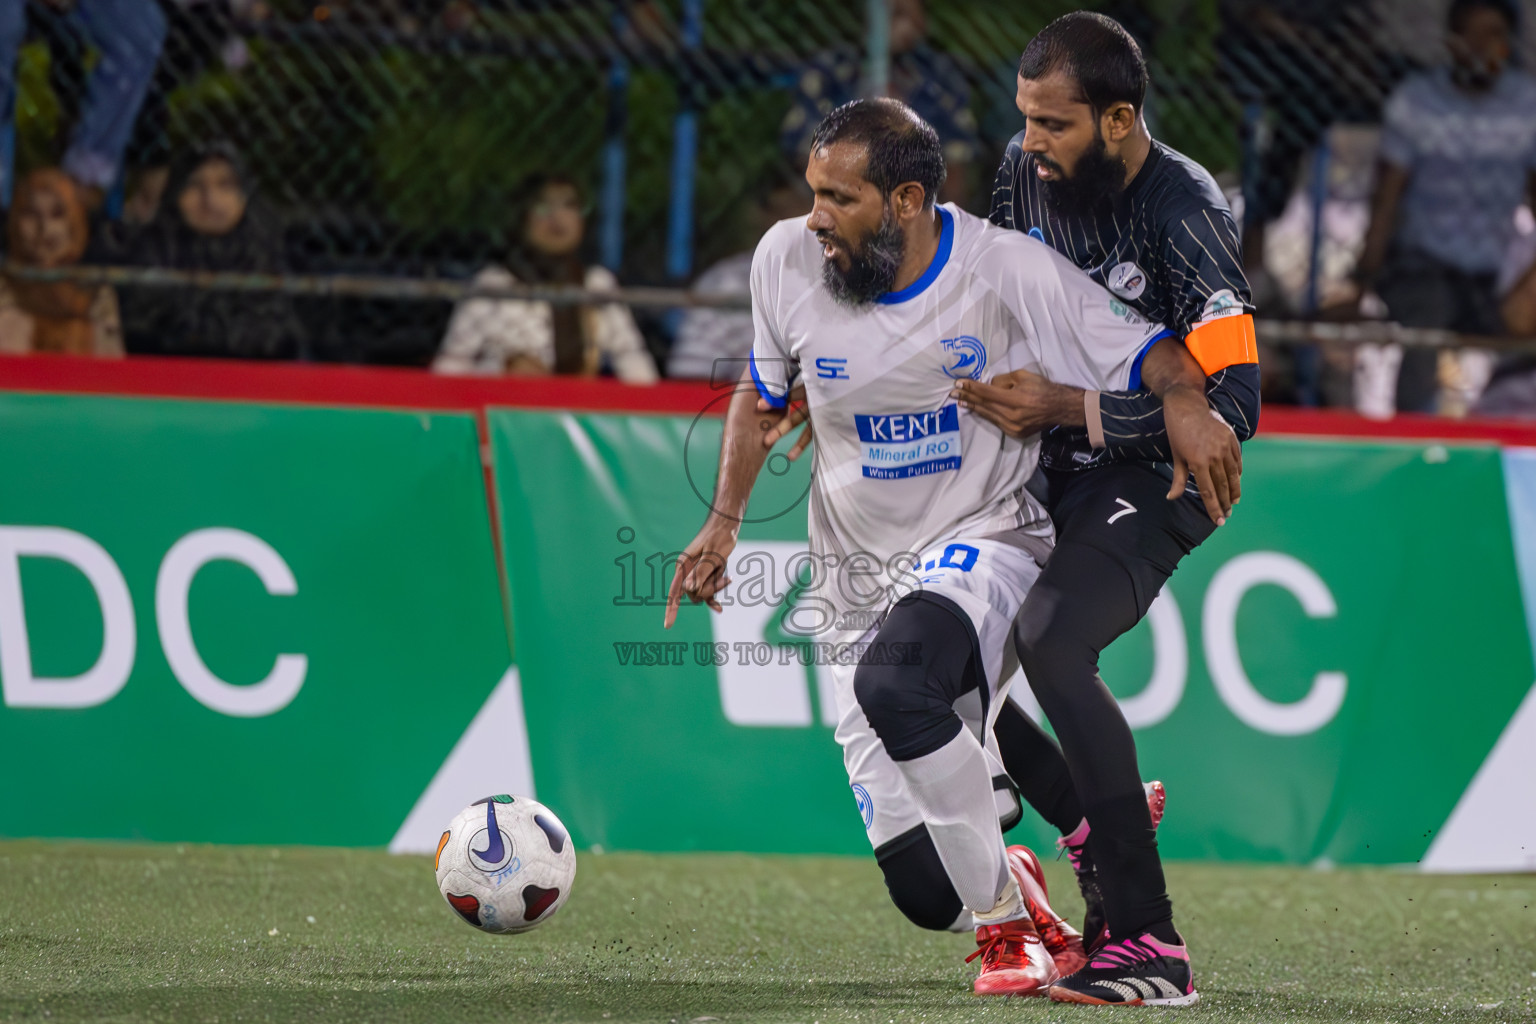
(401, 143)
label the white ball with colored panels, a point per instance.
(505, 864)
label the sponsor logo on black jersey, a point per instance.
(1128, 281)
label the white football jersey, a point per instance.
(898, 465)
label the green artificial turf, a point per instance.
(197, 933)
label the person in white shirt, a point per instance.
(491, 337)
(709, 338)
(919, 517)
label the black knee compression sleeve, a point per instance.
(918, 884)
(909, 701)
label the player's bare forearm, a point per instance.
(1022, 403)
(742, 454)
(700, 571)
(1168, 366)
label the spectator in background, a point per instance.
(1512, 391)
(514, 336)
(211, 220)
(48, 228)
(1519, 305)
(1458, 155)
(127, 36)
(199, 33)
(707, 336)
(1297, 67)
(928, 81)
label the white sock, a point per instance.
(953, 790)
(1010, 906)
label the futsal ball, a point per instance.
(505, 864)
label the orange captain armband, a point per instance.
(1223, 342)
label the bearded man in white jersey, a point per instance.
(919, 518)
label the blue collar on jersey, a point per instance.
(941, 257)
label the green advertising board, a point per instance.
(235, 623)
(277, 624)
(1351, 659)
(1320, 682)
(629, 737)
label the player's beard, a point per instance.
(1096, 180)
(871, 267)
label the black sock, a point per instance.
(1034, 761)
(1130, 872)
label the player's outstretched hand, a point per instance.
(1204, 446)
(700, 571)
(1020, 403)
(789, 417)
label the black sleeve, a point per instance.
(1133, 420)
(1001, 212)
(1202, 263)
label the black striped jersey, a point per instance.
(1167, 247)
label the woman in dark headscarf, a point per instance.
(210, 220)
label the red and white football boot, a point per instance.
(1014, 960)
(1062, 941)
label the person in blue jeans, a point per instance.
(127, 35)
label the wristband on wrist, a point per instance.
(1093, 419)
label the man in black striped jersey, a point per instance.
(1086, 178)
